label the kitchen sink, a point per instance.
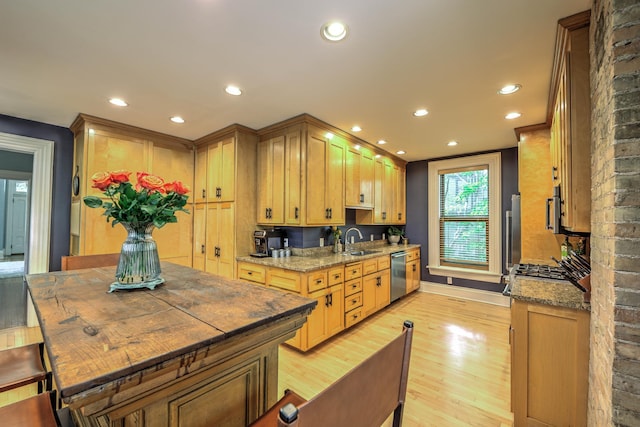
(361, 253)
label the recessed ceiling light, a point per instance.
(356, 128)
(452, 143)
(119, 102)
(512, 116)
(401, 152)
(381, 142)
(333, 31)
(233, 90)
(420, 113)
(508, 89)
(177, 119)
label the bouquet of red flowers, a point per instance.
(151, 201)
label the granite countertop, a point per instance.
(319, 258)
(558, 293)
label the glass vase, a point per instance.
(139, 264)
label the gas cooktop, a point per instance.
(537, 270)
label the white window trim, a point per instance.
(494, 274)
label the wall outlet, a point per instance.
(321, 241)
(449, 280)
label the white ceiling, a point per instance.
(170, 57)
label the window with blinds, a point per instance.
(464, 217)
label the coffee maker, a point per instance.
(266, 241)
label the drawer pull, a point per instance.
(337, 276)
(249, 273)
(318, 281)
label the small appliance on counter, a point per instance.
(266, 241)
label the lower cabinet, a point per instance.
(413, 270)
(549, 365)
(345, 294)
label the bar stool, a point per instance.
(20, 366)
(35, 411)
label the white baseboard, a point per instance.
(466, 293)
(1, 253)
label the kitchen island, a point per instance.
(198, 350)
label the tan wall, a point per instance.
(534, 183)
(614, 374)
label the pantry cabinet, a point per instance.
(225, 214)
(549, 364)
(271, 180)
(102, 145)
(389, 195)
(571, 123)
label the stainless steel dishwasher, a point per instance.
(398, 274)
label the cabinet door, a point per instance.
(411, 268)
(271, 177)
(369, 287)
(212, 233)
(551, 364)
(334, 186)
(317, 207)
(383, 289)
(400, 193)
(353, 174)
(366, 178)
(221, 171)
(199, 236)
(293, 176)
(316, 324)
(226, 239)
(335, 310)
(378, 200)
(200, 179)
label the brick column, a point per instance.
(614, 374)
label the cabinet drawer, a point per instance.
(352, 287)
(353, 317)
(369, 266)
(252, 272)
(412, 255)
(283, 279)
(336, 276)
(384, 263)
(353, 301)
(353, 271)
(316, 281)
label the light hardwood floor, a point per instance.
(460, 365)
(460, 361)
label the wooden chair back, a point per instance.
(363, 397)
(79, 262)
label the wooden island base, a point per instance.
(200, 350)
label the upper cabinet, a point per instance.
(215, 172)
(102, 145)
(325, 171)
(570, 111)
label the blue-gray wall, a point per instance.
(62, 168)
(417, 212)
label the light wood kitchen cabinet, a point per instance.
(571, 123)
(327, 319)
(228, 214)
(353, 294)
(325, 179)
(271, 180)
(550, 364)
(325, 173)
(215, 171)
(359, 167)
(219, 248)
(413, 270)
(389, 195)
(376, 288)
(102, 145)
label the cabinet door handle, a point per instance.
(378, 281)
(326, 300)
(361, 198)
(414, 267)
(384, 215)
(202, 249)
(296, 213)
(218, 192)
(399, 216)
(330, 299)
(330, 213)
(204, 193)
(554, 176)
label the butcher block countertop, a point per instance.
(100, 343)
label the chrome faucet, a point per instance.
(346, 238)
